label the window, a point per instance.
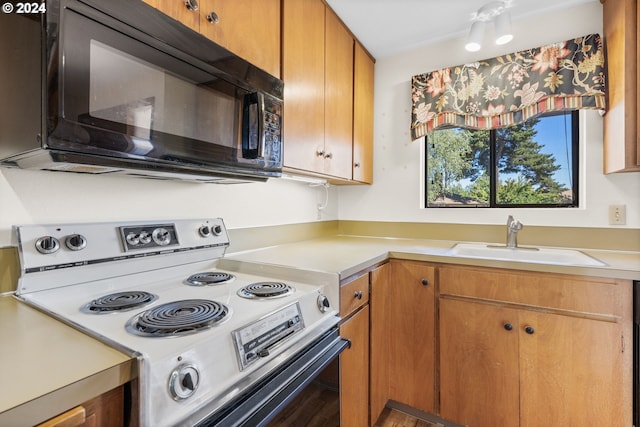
(533, 164)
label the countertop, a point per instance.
(347, 255)
(48, 367)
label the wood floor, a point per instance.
(319, 406)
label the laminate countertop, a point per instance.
(48, 367)
(345, 256)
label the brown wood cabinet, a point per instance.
(185, 12)
(533, 349)
(328, 95)
(379, 341)
(303, 26)
(621, 140)
(106, 410)
(338, 99)
(248, 28)
(363, 115)
(354, 361)
(403, 337)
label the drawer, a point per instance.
(354, 294)
(555, 291)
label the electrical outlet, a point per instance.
(617, 214)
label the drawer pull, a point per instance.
(213, 18)
(358, 294)
(508, 326)
(529, 330)
(425, 282)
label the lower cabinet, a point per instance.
(490, 347)
(354, 373)
(106, 410)
(403, 336)
(354, 361)
(533, 349)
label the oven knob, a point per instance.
(161, 236)
(216, 230)
(47, 245)
(76, 242)
(183, 382)
(323, 303)
(144, 237)
(204, 231)
(133, 239)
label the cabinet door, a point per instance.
(411, 319)
(183, 11)
(379, 340)
(621, 142)
(479, 384)
(303, 26)
(338, 98)
(248, 28)
(363, 116)
(354, 371)
(570, 372)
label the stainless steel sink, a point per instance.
(524, 254)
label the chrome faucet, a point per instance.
(513, 226)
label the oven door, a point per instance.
(260, 404)
(119, 92)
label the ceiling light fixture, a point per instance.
(495, 11)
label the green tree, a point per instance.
(447, 162)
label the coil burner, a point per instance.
(209, 278)
(264, 290)
(178, 318)
(118, 302)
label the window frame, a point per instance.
(493, 180)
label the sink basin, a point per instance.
(524, 254)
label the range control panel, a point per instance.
(148, 236)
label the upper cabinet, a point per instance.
(362, 115)
(621, 142)
(248, 28)
(303, 24)
(328, 78)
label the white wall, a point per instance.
(34, 197)
(396, 193)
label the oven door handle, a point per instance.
(261, 405)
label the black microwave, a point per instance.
(117, 87)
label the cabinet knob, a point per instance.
(356, 165)
(358, 294)
(425, 282)
(328, 156)
(191, 5)
(508, 326)
(529, 330)
(213, 18)
(320, 152)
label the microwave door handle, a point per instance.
(261, 133)
(253, 139)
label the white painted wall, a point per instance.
(396, 193)
(34, 197)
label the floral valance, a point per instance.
(512, 88)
